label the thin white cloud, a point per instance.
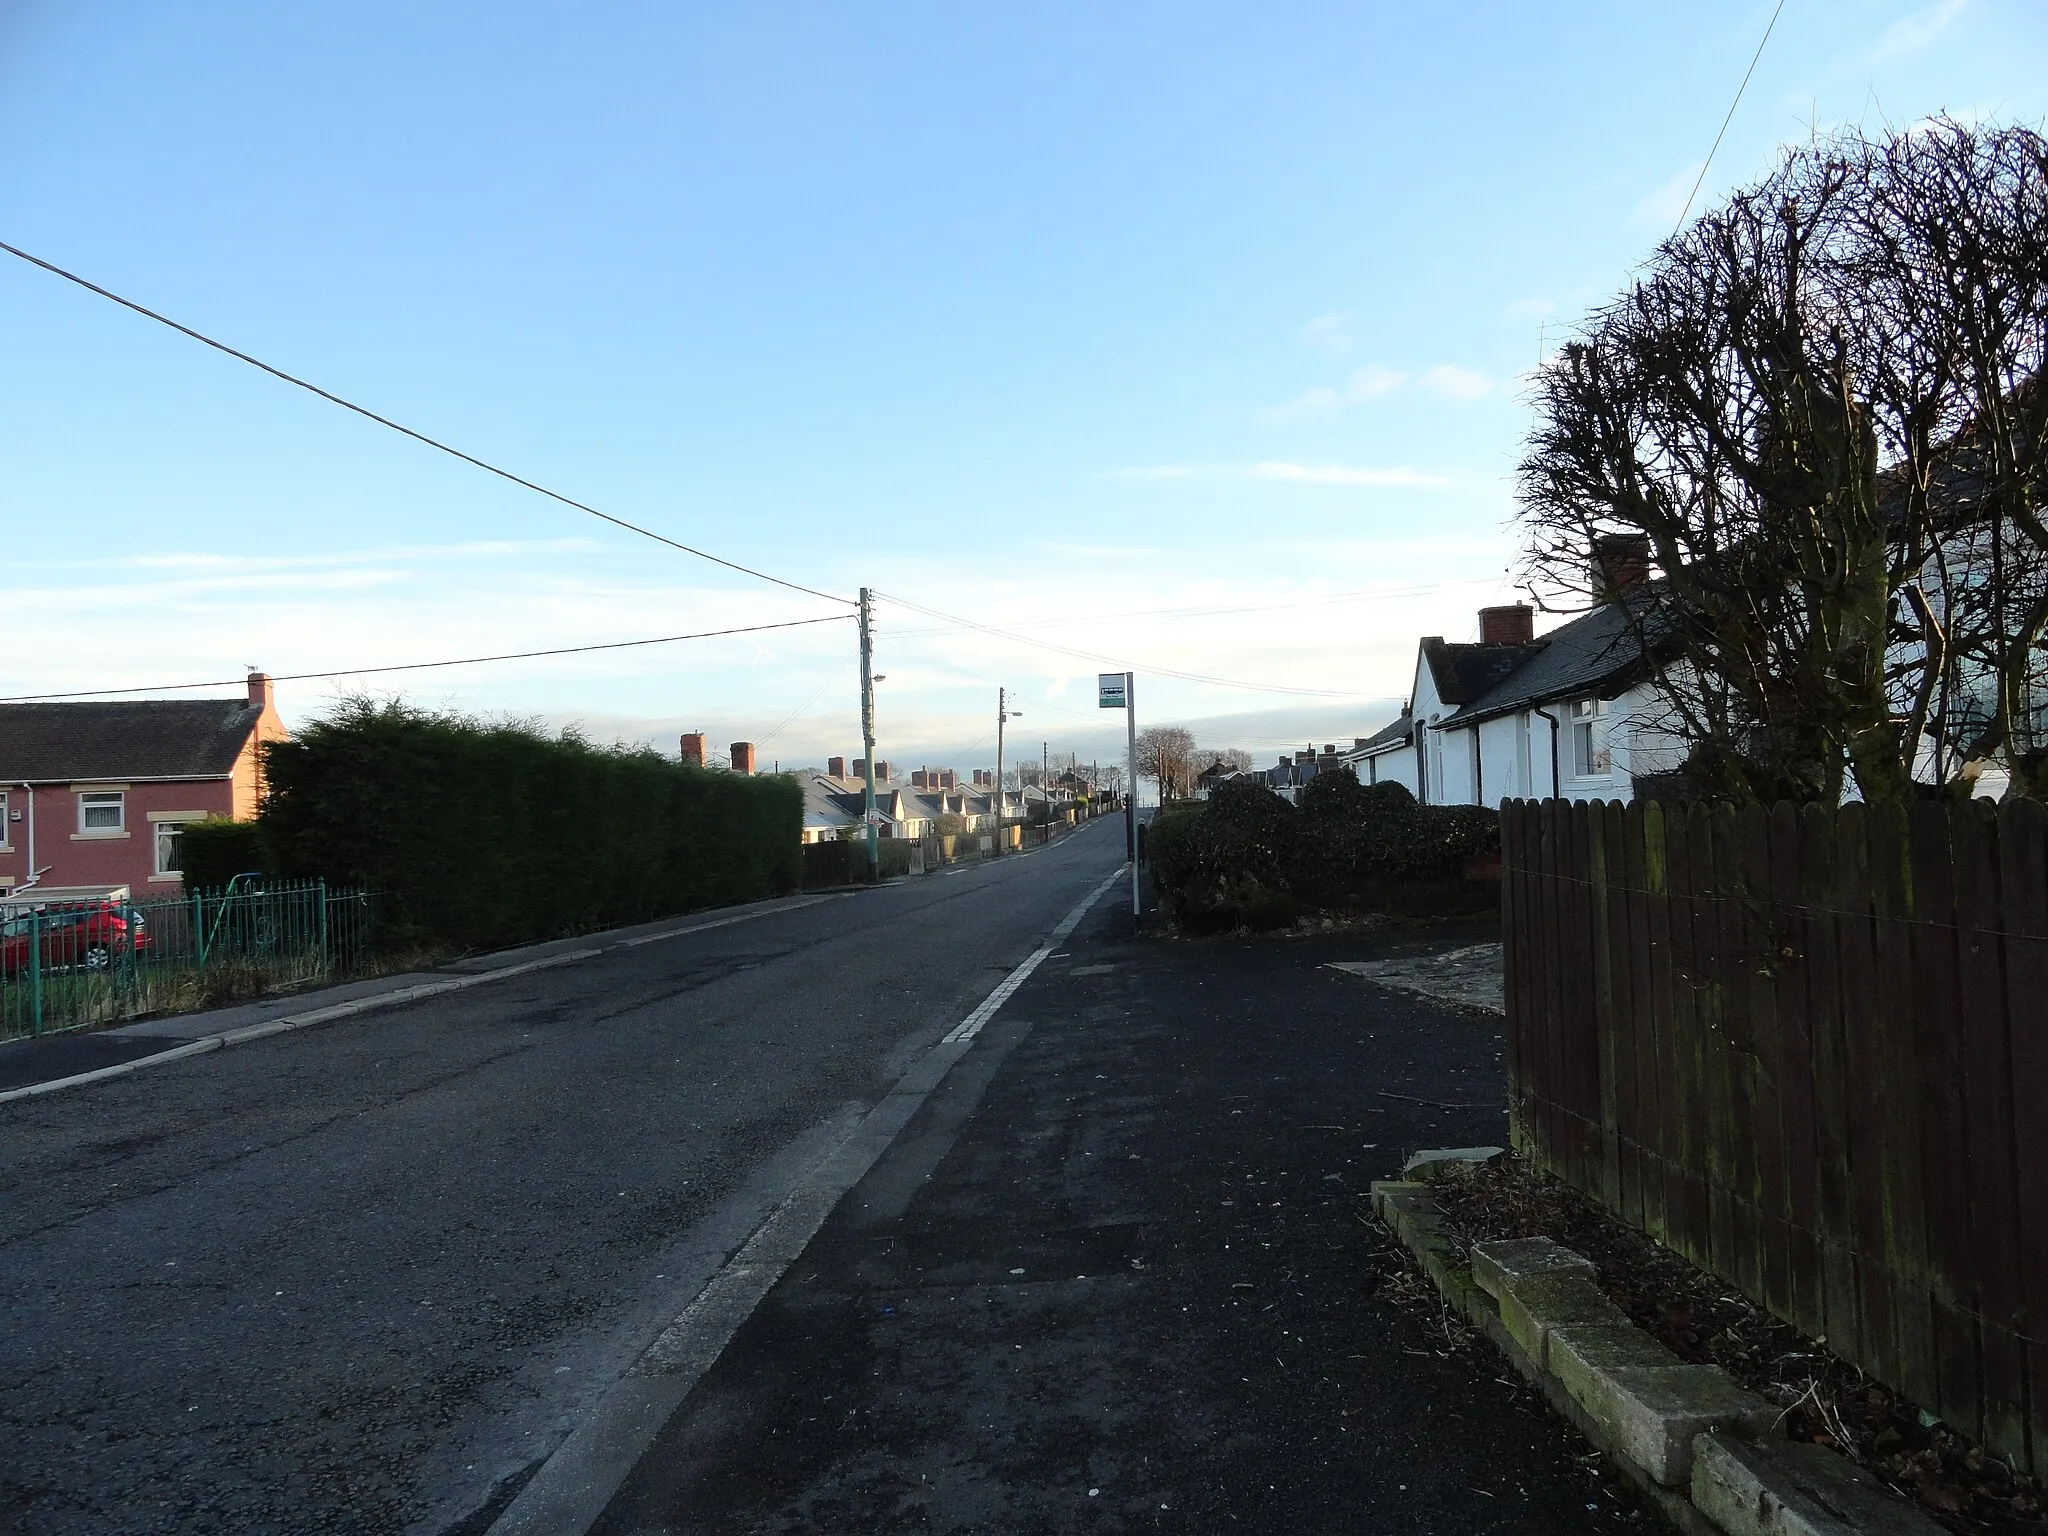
(1661, 207)
(1329, 333)
(1915, 30)
(1368, 383)
(1455, 383)
(1348, 474)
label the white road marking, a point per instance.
(573, 1486)
(970, 1026)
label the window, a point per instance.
(167, 856)
(1525, 780)
(100, 810)
(1590, 755)
(6, 825)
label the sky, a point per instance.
(1187, 338)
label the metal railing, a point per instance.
(71, 964)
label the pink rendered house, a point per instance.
(93, 794)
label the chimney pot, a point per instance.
(1510, 624)
(881, 772)
(743, 757)
(693, 748)
(835, 767)
(259, 690)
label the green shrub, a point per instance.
(212, 852)
(480, 836)
(1247, 858)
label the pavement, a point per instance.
(1116, 1276)
(1110, 1272)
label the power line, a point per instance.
(1191, 677)
(419, 437)
(1730, 117)
(422, 666)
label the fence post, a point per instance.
(35, 973)
(199, 929)
(326, 958)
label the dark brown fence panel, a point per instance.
(1809, 1050)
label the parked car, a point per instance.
(87, 934)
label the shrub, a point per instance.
(1247, 858)
(212, 852)
(481, 835)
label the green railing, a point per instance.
(72, 964)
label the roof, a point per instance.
(138, 739)
(1464, 672)
(1599, 652)
(1396, 733)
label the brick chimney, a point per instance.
(259, 691)
(693, 748)
(1621, 564)
(743, 757)
(881, 773)
(917, 778)
(1512, 624)
(835, 767)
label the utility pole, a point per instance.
(867, 734)
(1003, 713)
(1045, 784)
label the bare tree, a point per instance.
(1814, 406)
(1233, 758)
(1167, 753)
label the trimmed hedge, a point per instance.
(212, 852)
(1246, 858)
(479, 836)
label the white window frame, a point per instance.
(86, 805)
(1592, 741)
(162, 832)
(6, 824)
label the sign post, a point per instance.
(1117, 690)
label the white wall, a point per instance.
(1396, 767)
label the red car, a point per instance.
(88, 934)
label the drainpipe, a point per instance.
(1546, 714)
(32, 874)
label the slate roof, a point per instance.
(139, 739)
(1598, 653)
(1463, 672)
(1397, 733)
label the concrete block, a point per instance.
(1534, 1305)
(1652, 1414)
(1783, 1489)
(1498, 1265)
(1577, 1352)
(1448, 1160)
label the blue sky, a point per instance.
(1051, 319)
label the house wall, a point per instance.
(1395, 767)
(128, 857)
(1428, 708)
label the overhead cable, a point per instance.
(416, 436)
(1700, 180)
(422, 666)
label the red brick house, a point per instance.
(96, 792)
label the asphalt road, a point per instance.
(366, 1277)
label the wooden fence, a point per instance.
(1808, 1049)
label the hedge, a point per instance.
(1246, 858)
(212, 852)
(478, 835)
